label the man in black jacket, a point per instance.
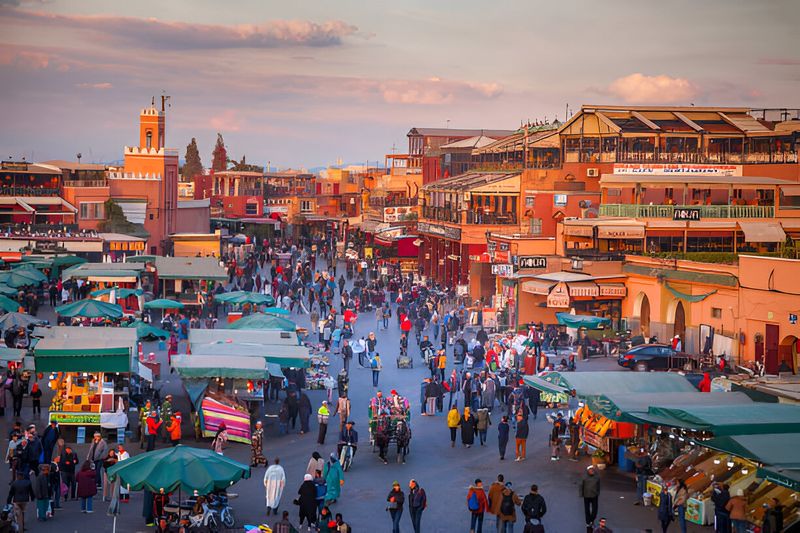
(347, 354)
(21, 492)
(41, 491)
(533, 506)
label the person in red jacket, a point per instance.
(153, 425)
(478, 504)
(174, 429)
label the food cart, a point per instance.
(89, 371)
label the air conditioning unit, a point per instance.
(593, 172)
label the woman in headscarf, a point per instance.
(315, 463)
(467, 423)
(307, 501)
(334, 479)
(220, 438)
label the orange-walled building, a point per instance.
(147, 188)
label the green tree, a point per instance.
(193, 166)
(220, 160)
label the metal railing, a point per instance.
(442, 214)
(492, 219)
(85, 183)
(622, 156)
(706, 211)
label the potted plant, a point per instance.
(599, 459)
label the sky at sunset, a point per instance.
(305, 83)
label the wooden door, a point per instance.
(771, 341)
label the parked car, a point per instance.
(647, 357)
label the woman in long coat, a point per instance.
(467, 423)
(334, 479)
(315, 463)
(307, 501)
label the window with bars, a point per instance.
(536, 226)
(92, 211)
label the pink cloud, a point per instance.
(28, 59)
(228, 120)
(639, 88)
(160, 34)
(780, 61)
(99, 86)
(435, 91)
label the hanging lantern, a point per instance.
(250, 386)
(39, 375)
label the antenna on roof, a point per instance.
(165, 98)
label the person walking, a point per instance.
(304, 410)
(97, 454)
(347, 355)
(257, 446)
(477, 504)
(508, 509)
(453, 419)
(737, 508)
(323, 415)
(67, 463)
(533, 506)
(334, 479)
(221, 437)
(376, 366)
(503, 430)
(722, 519)
(495, 498)
(315, 463)
(643, 467)
(521, 438)
(681, 497)
(467, 423)
(666, 511)
(307, 502)
(153, 425)
(274, 483)
(417, 502)
(482, 424)
(589, 490)
(86, 487)
(41, 492)
(174, 429)
(20, 493)
(394, 505)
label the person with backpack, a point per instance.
(508, 509)
(477, 504)
(534, 506)
(376, 366)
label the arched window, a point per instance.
(149, 139)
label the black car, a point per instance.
(654, 357)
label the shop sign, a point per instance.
(75, 419)
(677, 168)
(502, 270)
(593, 439)
(462, 290)
(501, 257)
(559, 296)
(532, 261)
(504, 246)
(279, 209)
(560, 200)
(491, 246)
(792, 319)
(686, 213)
(613, 290)
(126, 246)
(399, 214)
(440, 231)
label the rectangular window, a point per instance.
(530, 201)
(251, 209)
(536, 226)
(716, 312)
(306, 206)
(92, 210)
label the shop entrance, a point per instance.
(787, 351)
(771, 338)
(644, 314)
(680, 323)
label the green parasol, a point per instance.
(8, 291)
(8, 304)
(277, 311)
(163, 303)
(244, 297)
(21, 277)
(263, 321)
(91, 309)
(180, 467)
(145, 330)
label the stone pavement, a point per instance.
(444, 472)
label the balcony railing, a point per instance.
(706, 211)
(621, 156)
(443, 214)
(492, 219)
(394, 202)
(85, 183)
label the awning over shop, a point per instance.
(582, 321)
(692, 298)
(620, 232)
(753, 419)
(613, 289)
(205, 366)
(201, 268)
(624, 406)
(11, 355)
(787, 477)
(537, 286)
(578, 231)
(75, 349)
(588, 384)
(195, 388)
(762, 231)
(284, 356)
(243, 336)
(104, 272)
(583, 288)
(778, 449)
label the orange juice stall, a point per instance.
(88, 369)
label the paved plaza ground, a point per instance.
(444, 472)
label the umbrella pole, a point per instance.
(114, 530)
